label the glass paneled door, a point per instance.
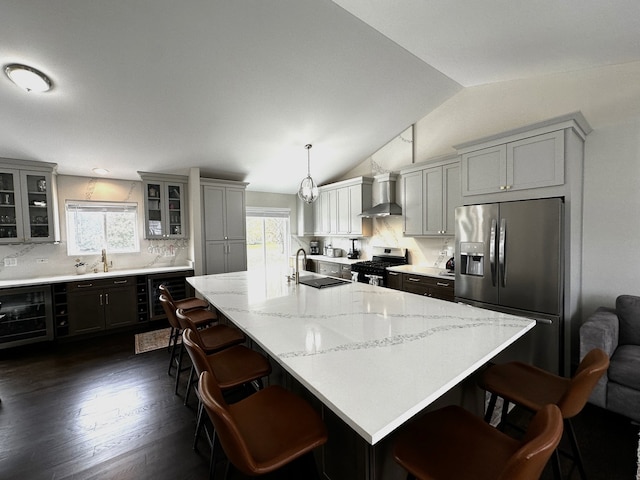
(268, 243)
(26, 213)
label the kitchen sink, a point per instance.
(322, 282)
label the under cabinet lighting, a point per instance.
(100, 171)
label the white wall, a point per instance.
(611, 229)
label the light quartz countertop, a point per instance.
(374, 356)
(424, 271)
(25, 282)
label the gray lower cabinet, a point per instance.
(96, 305)
(333, 269)
(330, 269)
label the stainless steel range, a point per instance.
(374, 271)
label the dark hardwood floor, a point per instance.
(94, 410)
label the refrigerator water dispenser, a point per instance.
(472, 258)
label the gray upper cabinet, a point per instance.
(305, 217)
(337, 210)
(430, 194)
(224, 219)
(533, 162)
(165, 205)
(27, 202)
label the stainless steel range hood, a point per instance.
(387, 205)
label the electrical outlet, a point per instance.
(444, 252)
(11, 262)
(42, 260)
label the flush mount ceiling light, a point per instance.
(100, 171)
(308, 190)
(28, 78)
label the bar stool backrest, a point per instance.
(197, 355)
(170, 310)
(164, 290)
(224, 424)
(188, 324)
(591, 368)
(542, 438)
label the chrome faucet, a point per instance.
(297, 275)
(104, 260)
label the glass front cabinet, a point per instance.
(27, 211)
(165, 202)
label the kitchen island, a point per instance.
(373, 356)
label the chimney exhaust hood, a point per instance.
(387, 205)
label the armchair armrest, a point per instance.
(600, 330)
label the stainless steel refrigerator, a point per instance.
(509, 258)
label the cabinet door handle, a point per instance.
(395, 274)
(101, 300)
(411, 279)
(119, 282)
(107, 299)
(440, 284)
(85, 285)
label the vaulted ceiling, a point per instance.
(237, 88)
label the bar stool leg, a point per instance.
(503, 416)
(555, 461)
(490, 408)
(189, 382)
(173, 341)
(179, 369)
(577, 457)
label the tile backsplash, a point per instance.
(387, 232)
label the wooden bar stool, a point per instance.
(532, 388)
(453, 444)
(263, 432)
(232, 367)
(200, 318)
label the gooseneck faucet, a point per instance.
(104, 260)
(304, 254)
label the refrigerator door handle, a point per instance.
(492, 250)
(502, 253)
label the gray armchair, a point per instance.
(617, 332)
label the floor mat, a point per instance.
(148, 341)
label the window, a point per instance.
(92, 226)
(268, 241)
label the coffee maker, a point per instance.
(353, 252)
(314, 247)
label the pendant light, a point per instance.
(308, 190)
(28, 78)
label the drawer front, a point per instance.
(330, 269)
(100, 283)
(415, 284)
(394, 280)
(430, 286)
(346, 272)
